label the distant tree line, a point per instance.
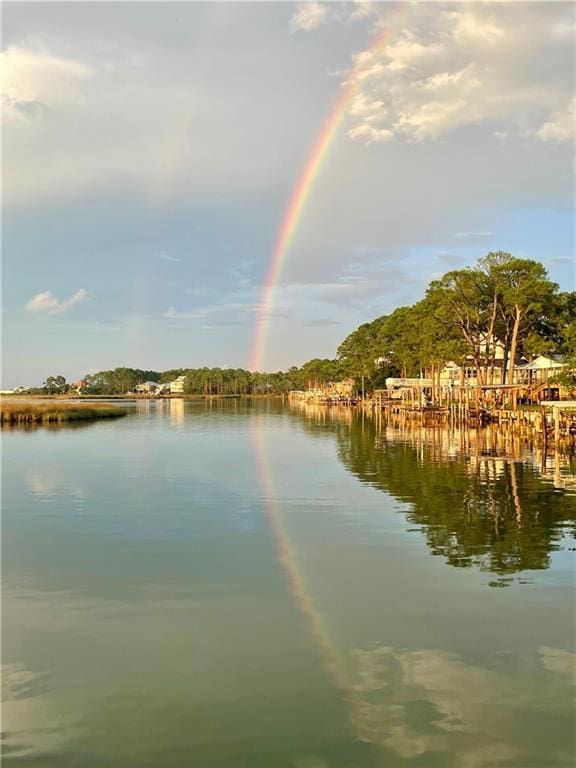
(219, 381)
(502, 302)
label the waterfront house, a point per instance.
(529, 382)
(539, 370)
(537, 376)
(453, 375)
(176, 387)
(490, 354)
(147, 388)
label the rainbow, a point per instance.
(300, 196)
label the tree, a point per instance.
(362, 353)
(526, 296)
(55, 385)
(167, 376)
(460, 303)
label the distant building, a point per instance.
(176, 387)
(147, 387)
(15, 391)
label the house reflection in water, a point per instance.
(176, 411)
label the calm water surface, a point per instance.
(250, 586)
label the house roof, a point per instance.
(542, 362)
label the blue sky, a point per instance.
(150, 150)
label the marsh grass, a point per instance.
(38, 413)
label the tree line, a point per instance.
(488, 316)
(219, 381)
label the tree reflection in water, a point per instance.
(483, 498)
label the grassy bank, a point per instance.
(26, 413)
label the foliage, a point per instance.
(55, 385)
(567, 376)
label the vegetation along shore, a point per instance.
(16, 412)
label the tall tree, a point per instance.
(526, 296)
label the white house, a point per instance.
(177, 386)
(147, 387)
(453, 375)
(541, 369)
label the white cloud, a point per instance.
(370, 134)
(371, 112)
(561, 126)
(445, 69)
(309, 16)
(470, 27)
(36, 81)
(45, 301)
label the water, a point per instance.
(241, 585)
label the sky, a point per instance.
(151, 150)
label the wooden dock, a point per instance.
(551, 420)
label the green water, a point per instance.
(256, 586)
